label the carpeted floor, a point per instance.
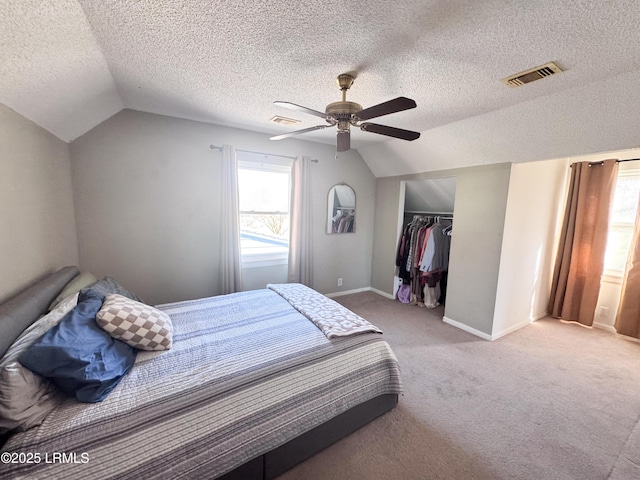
(552, 400)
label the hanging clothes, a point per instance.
(406, 246)
(436, 255)
(411, 247)
(422, 258)
(343, 221)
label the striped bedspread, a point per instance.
(247, 373)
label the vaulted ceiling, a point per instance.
(68, 65)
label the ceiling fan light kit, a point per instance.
(345, 114)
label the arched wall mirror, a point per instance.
(341, 213)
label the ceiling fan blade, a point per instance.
(298, 132)
(300, 108)
(344, 141)
(392, 106)
(390, 131)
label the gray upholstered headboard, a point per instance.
(22, 310)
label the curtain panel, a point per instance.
(230, 259)
(580, 257)
(301, 224)
(628, 317)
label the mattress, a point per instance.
(247, 373)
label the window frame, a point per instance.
(610, 274)
(258, 260)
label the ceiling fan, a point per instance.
(345, 114)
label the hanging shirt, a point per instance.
(441, 254)
(426, 265)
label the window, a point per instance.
(264, 191)
(623, 216)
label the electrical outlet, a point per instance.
(604, 311)
(340, 281)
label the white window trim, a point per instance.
(629, 172)
(263, 166)
(611, 275)
(260, 260)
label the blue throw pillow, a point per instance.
(78, 356)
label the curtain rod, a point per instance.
(617, 161)
(215, 147)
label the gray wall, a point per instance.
(479, 211)
(38, 233)
(147, 204)
(476, 245)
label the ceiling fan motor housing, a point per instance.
(343, 112)
(337, 108)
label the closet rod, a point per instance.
(419, 212)
(215, 147)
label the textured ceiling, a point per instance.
(52, 70)
(68, 65)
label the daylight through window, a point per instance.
(623, 216)
(264, 191)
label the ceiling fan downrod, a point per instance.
(344, 82)
(343, 111)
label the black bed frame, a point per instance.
(22, 310)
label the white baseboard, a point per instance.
(358, 290)
(347, 292)
(608, 328)
(538, 316)
(384, 294)
(466, 328)
(455, 323)
(486, 336)
(496, 336)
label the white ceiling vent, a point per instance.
(532, 75)
(284, 120)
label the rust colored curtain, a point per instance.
(628, 317)
(580, 258)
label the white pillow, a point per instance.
(26, 398)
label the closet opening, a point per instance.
(425, 232)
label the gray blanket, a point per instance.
(247, 373)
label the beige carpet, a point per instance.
(550, 401)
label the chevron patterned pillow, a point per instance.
(137, 324)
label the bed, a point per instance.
(250, 388)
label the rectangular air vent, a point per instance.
(284, 120)
(531, 75)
